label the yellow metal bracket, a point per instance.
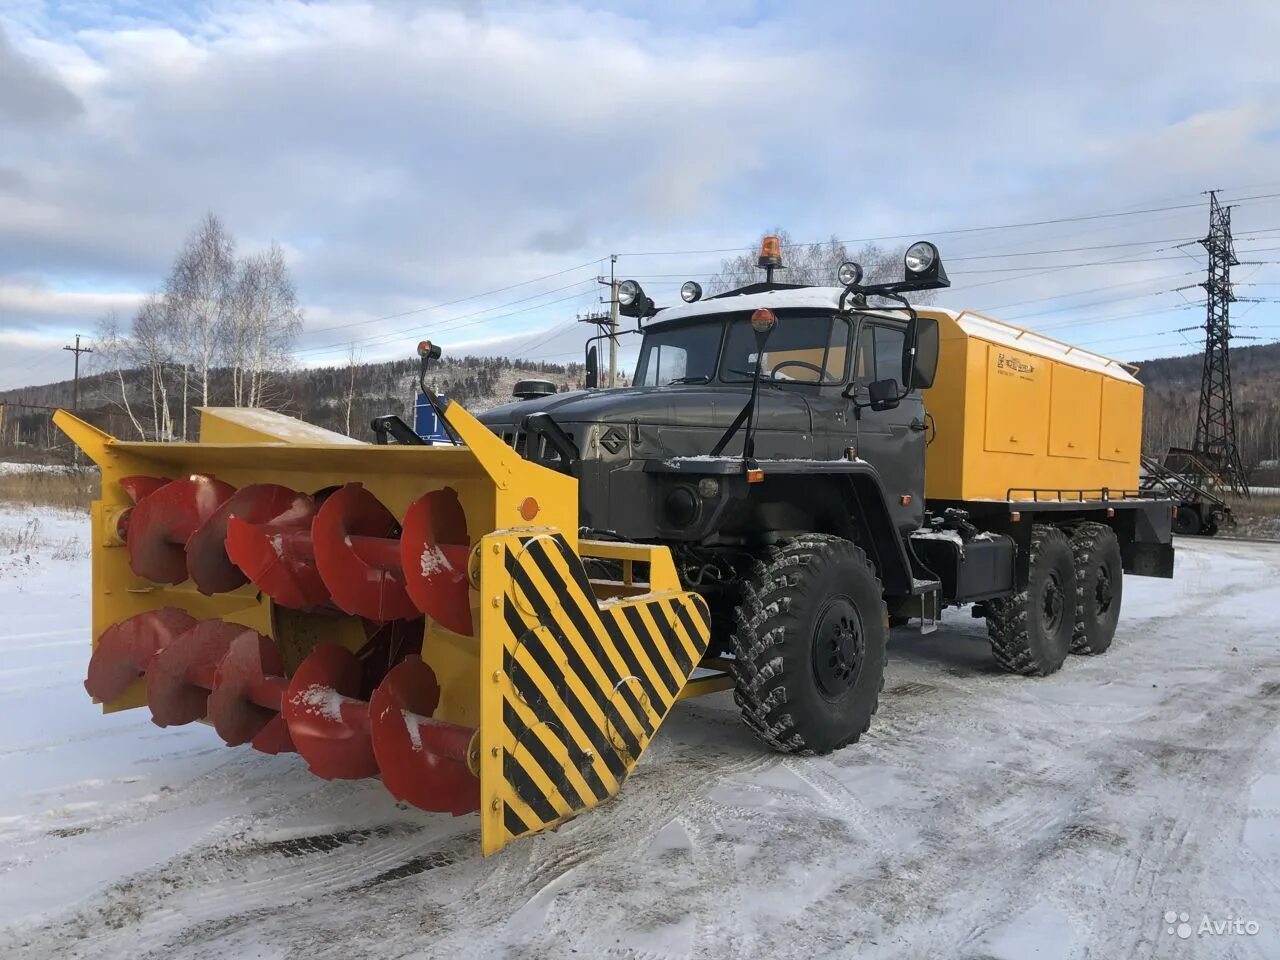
(572, 688)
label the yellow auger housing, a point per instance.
(419, 613)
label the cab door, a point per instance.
(892, 441)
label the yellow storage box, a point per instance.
(1021, 416)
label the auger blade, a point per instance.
(249, 687)
(434, 551)
(358, 554)
(181, 675)
(140, 485)
(270, 504)
(328, 724)
(125, 649)
(423, 761)
(164, 519)
(279, 559)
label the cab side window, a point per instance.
(880, 353)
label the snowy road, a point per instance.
(984, 815)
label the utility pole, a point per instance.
(1215, 440)
(612, 283)
(77, 350)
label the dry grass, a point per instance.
(1260, 506)
(70, 489)
(1257, 517)
(20, 545)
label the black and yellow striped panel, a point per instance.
(572, 688)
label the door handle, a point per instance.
(918, 425)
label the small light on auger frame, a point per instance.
(691, 291)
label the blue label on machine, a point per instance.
(426, 422)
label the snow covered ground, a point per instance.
(984, 816)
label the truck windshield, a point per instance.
(804, 348)
(684, 354)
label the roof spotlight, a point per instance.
(921, 255)
(628, 292)
(691, 291)
(849, 273)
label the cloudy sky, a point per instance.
(464, 169)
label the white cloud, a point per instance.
(410, 154)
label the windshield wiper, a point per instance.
(751, 375)
(702, 379)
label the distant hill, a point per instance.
(1173, 397)
(319, 395)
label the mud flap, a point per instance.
(572, 688)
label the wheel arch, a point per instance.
(849, 504)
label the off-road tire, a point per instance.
(1100, 579)
(1187, 522)
(812, 617)
(1024, 639)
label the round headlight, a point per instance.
(682, 507)
(849, 273)
(628, 291)
(691, 291)
(920, 256)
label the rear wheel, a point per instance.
(1100, 579)
(810, 645)
(1031, 631)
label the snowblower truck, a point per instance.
(499, 624)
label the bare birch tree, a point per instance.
(154, 349)
(113, 352)
(353, 360)
(263, 325)
(199, 295)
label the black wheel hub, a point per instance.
(1102, 591)
(1051, 605)
(838, 648)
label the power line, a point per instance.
(1111, 286)
(958, 230)
(461, 317)
(450, 303)
(395, 335)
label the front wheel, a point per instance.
(810, 645)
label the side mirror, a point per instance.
(882, 394)
(926, 367)
(592, 377)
